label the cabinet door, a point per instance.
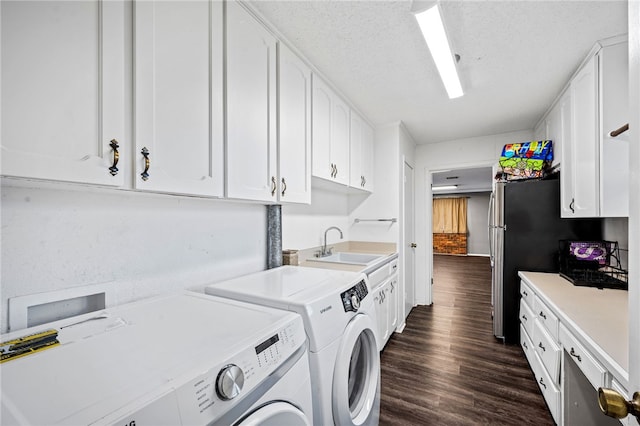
(584, 142)
(393, 304)
(251, 107)
(63, 90)
(614, 151)
(340, 113)
(356, 150)
(321, 130)
(567, 145)
(294, 142)
(368, 150)
(553, 132)
(178, 97)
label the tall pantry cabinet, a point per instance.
(63, 91)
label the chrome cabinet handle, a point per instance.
(524, 317)
(575, 355)
(284, 186)
(573, 202)
(525, 345)
(273, 186)
(542, 347)
(116, 156)
(335, 167)
(333, 170)
(147, 163)
(543, 315)
(542, 383)
(524, 292)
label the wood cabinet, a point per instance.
(294, 138)
(63, 91)
(251, 142)
(178, 96)
(361, 154)
(330, 135)
(595, 170)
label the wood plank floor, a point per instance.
(447, 368)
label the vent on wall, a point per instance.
(41, 308)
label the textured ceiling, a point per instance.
(477, 179)
(515, 58)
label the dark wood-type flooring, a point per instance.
(447, 368)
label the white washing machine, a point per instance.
(339, 318)
(182, 359)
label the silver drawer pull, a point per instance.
(525, 293)
(542, 383)
(542, 347)
(524, 317)
(525, 345)
(575, 355)
(543, 315)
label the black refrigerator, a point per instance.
(524, 230)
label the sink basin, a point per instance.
(348, 257)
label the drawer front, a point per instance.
(393, 266)
(527, 318)
(527, 345)
(548, 351)
(526, 293)
(550, 390)
(546, 317)
(592, 369)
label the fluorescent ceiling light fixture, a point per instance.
(432, 28)
(444, 188)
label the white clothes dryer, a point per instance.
(339, 317)
(185, 358)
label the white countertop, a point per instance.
(598, 318)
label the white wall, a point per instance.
(617, 229)
(60, 237)
(462, 153)
(477, 212)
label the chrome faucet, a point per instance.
(325, 251)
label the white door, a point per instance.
(294, 142)
(355, 151)
(356, 375)
(178, 97)
(321, 130)
(63, 91)
(251, 107)
(340, 134)
(368, 149)
(409, 249)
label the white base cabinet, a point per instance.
(63, 91)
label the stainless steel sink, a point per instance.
(349, 258)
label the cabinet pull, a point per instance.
(362, 181)
(284, 186)
(525, 345)
(525, 293)
(335, 167)
(575, 355)
(333, 170)
(147, 163)
(573, 201)
(116, 156)
(273, 186)
(542, 347)
(542, 383)
(543, 315)
(524, 317)
(622, 129)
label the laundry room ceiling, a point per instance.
(515, 57)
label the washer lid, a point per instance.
(130, 354)
(286, 286)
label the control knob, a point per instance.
(355, 301)
(229, 382)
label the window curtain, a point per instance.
(450, 215)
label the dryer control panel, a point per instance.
(351, 298)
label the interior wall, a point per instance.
(454, 154)
(617, 229)
(138, 244)
(477, 214)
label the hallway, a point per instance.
(447, 368)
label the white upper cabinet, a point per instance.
(361, 155)
(294, 142)
(595, 169)
(63, 91)
(251, 108)
(330, 136)
(178, 97)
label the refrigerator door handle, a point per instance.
(490, 227)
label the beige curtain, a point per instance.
(450, 215)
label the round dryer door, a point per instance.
(275, 413)
(356, 397)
